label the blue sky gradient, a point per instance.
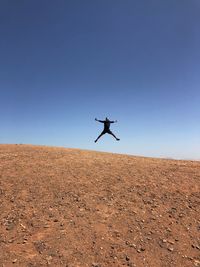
(63, 63)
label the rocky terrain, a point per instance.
(78, 208)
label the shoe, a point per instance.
(95, 141)
(117, 139)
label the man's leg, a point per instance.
(113, 135)
(99, 136)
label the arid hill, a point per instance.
(76, 208)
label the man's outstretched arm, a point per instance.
(113, 121)
(99, 120)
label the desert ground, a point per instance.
(79, 208)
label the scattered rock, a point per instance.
(72, 196)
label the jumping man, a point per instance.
(106, 129)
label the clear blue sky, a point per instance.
(63, 63)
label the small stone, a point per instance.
(14, 261)
(197, 263)
(96, 265)
(48, 259)
(10, 226)
(127, 258)
(171, 249)
(23, 226)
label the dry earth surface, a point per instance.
(76, 208)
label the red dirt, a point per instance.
(76, 208)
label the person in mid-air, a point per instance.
(106, 129)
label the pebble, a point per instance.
(197, 263)
(96, 265)
(23, 226)
(10, 226)
(132, 245)
(140, 250)
(49, 258)
(127, 258)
